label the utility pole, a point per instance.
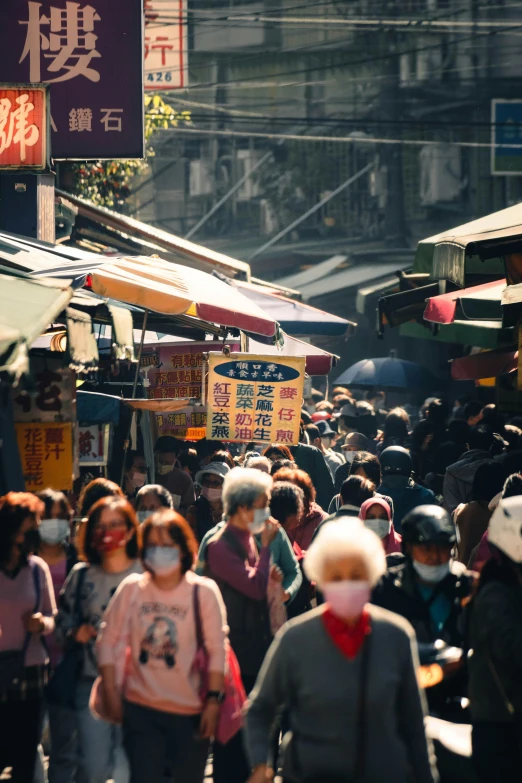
(391, 110)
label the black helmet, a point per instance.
(396, 460)
(428, 525)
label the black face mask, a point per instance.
(31, 541)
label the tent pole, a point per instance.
(133, 395)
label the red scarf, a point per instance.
(347, 638)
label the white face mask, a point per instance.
(138, 478)
(54, 531)
(380, 527)
(261, 517)
(347, 599)
(163, 468)
(432, 573)
(349, 456)
(212, 493)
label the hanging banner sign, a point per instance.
(46, 451)
(24, 127)
(52, 396)
(93, 444)
(166, 50)
(189, 423)
(255, 398)
(91, 55)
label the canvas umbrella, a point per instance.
(387, 373)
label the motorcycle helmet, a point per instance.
(505, 528)
(396, 460)
(428, 525)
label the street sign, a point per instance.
(506, 129)
(255, 398)
(24, 127)
(91, 54)
(166, 50)
(47, 455)
(94, 442)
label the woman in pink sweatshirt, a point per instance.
(27, 609)
(150, 624)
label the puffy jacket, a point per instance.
(406, 495)
(398, 592)
(495, 636)
(458, 480)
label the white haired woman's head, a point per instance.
(243, 488)
(343, 539)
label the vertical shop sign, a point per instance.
(91, 54)
(46, 451)
(24, 127)
(93, 444)
(254, 398)
(166, 50)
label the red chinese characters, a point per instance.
(23, 127)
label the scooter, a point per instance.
(448, 724)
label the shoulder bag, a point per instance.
(12, 662)
(230, 713)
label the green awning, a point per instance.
(477, 246)
(483, 334)
(27, 307)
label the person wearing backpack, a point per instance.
(27, 609)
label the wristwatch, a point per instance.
(219, 696)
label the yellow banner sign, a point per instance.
(255, 398)
(46, 451)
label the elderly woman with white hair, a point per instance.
(242, 573)
(346, 674)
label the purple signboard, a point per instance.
(91, 54)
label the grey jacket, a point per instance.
(458, 480)
(306, 673)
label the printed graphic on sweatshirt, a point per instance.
(160, 641)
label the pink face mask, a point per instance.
(212, 493)
(347, 599)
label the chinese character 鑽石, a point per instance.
(111, 120)
(69, 46)
(14, 125)
(80, 120)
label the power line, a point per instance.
(355, 139)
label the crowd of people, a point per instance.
(262, 606)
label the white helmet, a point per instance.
(505, 528)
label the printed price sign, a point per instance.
(254, 398)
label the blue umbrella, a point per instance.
(387, 372)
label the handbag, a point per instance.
(12, 662)
(61, 689)
(289, 749)
(230, 718)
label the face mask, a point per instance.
(212, 493)
(31, 541)
(53, 531)
(431, 573)
(327, 442)
(347, 599)
(349, 456)
(380, 527)
(143, 515)
(138, 479)
(163, 468)
(261, 517)
(162, 560)
(105, 541)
